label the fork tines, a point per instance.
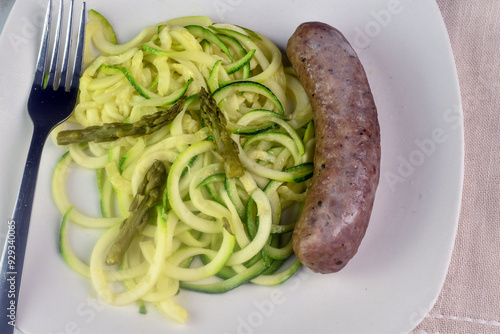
(47, 74)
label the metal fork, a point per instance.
(51, 101)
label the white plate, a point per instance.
(394, 279)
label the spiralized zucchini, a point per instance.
(210, 233)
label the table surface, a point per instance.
(470, 299)
(5, 6)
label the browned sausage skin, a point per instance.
(339, 201)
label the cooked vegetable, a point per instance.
(112, 131)
(148, 194)
(226, 146)
(238, 157)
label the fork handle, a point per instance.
(17, 235)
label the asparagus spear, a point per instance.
(112, 131)
(225, 145)
(148, 193)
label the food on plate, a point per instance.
(225, 146)
(236, 170)
(112, 131)
(148, 194)
(340, 198)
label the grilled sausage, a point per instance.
(340, 198)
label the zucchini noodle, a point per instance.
(207, 233)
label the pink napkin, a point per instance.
(470, 299)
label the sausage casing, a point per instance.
(340, 198)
